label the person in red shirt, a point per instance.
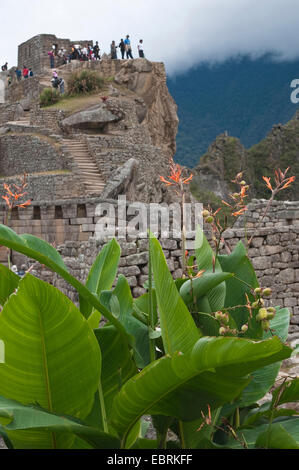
(25, 72)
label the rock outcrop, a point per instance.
(95, 118)
(148, 80)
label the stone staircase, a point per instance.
(92, 178)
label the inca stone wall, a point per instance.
(273, 252)
(34, 52)
(44, 153)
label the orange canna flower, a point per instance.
(289, 181)
(188, 179)
(168, 183)
(240, 212)
(268, 184)
(25, 204)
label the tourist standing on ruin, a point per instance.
(128, 47)
(140, 49)
(25, 72)
(51, 55)
(61, 86)
(122, 48)
(4, 67)
(18, 73)
(113, 48)
(96, 51)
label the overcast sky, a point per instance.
(179, 33)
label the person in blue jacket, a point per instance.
(128, 47)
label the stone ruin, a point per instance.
(120, 145)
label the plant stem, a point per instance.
(103, 408)
(151, 323)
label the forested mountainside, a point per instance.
(241, 96)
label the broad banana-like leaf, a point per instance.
(52, 357)
(288, 394)
(9, 282)
(214, 373)
(117, 365)
(30, 418)
(251, 435)
(102, 274)
(238, 286)
(45, 254)
(192, 290)
(264, 379)
(179, 331)
(276, 437)
(205, 260)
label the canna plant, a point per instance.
(68, 383)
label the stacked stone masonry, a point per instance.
(72, 225)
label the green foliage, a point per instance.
(49, 96)
(67, 385)
(84, 82)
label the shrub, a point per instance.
(82, 83)
(49, 96)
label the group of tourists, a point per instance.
(92, 53)
(126, 48)
(20, 74)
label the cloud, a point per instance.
(181, 34)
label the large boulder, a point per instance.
(93, 118)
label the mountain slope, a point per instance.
(241, 96)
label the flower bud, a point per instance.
(218, 316)
(236, 195)
(222, 331)
(243, 183)
(267, 292)
(244, 328)
(225, 319)
(271, 310)
(209, 220)
(262, 315)
(257, 291)
(206, 214)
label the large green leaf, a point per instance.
(290, 425)
(179, 331)
(117, 364)
(214, 372)
(240, 285)
(102, 274)
(289, 393)
(9, 282)
(52, 356)
(192, 290)
(30, 418)
(45, 254)
(120, 303)
(276, 437)
(205, 260)
(264, 379)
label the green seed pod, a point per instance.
(267, 292)
(258, 290)
(243, 183)
(270, 315)
(265, 325)
(236, 194)
(271, 310)
(206, 214)
(262, 315)
(247, 187)
(222, 331)
(244, 328)
(209, 220)
(255, 304)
